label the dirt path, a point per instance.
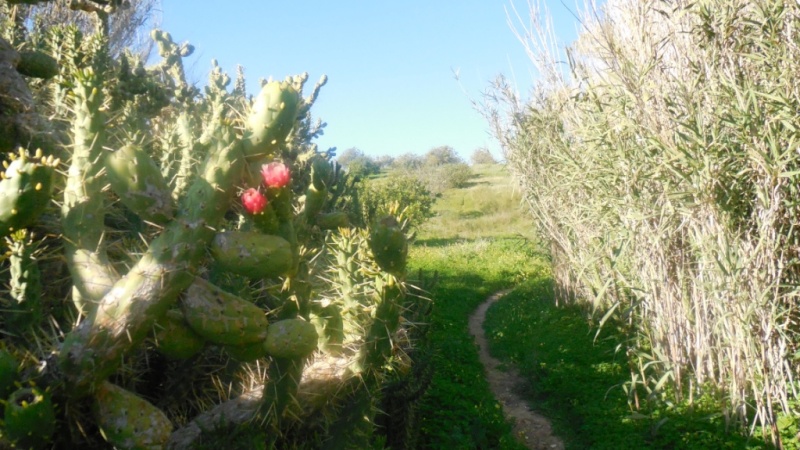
(532, 429)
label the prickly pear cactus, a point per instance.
(30, 418)
(188, 268)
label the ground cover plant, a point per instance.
(659, 158)
(458, 409)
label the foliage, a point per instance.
(482, 156)
(662, 168)
(142, 279)
(377, 197)
(439, 156)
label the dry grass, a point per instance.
(661, 162)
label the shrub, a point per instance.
(482, 156)
(376, 197)
(663, 169)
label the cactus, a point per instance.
(221, 317)
(291, 338)
(24, 191)
(9, 373)
(25, 309)
(37, 64)
(144, 313)
(175, 339)
(129, 421)
(138, 182)
(252, 254)
(29, 418)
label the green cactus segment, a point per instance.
(9, 373)
(25, 285)
(291, 338)
(321, 174)
(332, 221)
(280, 390)
(252, 254)
(330, 328)
(37, 64)
(389, 246)
(315, 200)
(175, 339)
(83, 209)
(138, 182)
(24, 193)
(271, 119)
(30, 418)
(128, 421)
(221, 317)
(125, 315)
(246, 353)
(378, 341)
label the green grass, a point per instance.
(458, 410)
(489, 207)
(481, 242)
(576, 380)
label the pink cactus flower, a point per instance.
(276, 174)
(254, 201)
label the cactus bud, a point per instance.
(254, 201)
(275, 174)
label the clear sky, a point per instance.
(391, 65)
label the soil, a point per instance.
(531, 428)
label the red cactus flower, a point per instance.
(254, 201)
(276, 174)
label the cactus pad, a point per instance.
(24, 192)
(129, 421)
(272, 117)
(175, 339)
(221, 317)
(252, 254)
(138, 182)
(291, 338)
(30, 418)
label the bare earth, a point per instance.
(531, 429)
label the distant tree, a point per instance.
(439, 156)
(384, 161)
(349, 155)
(407, 162)
(482, 155)
(363, 166)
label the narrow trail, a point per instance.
(531, 429)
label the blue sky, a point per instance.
(391, 65)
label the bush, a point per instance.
(456, 176)
(377, 196)
(482, 156)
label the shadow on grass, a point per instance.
(575, 380)
(439, 242)
(458, 410)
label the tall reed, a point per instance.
(660, 156)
